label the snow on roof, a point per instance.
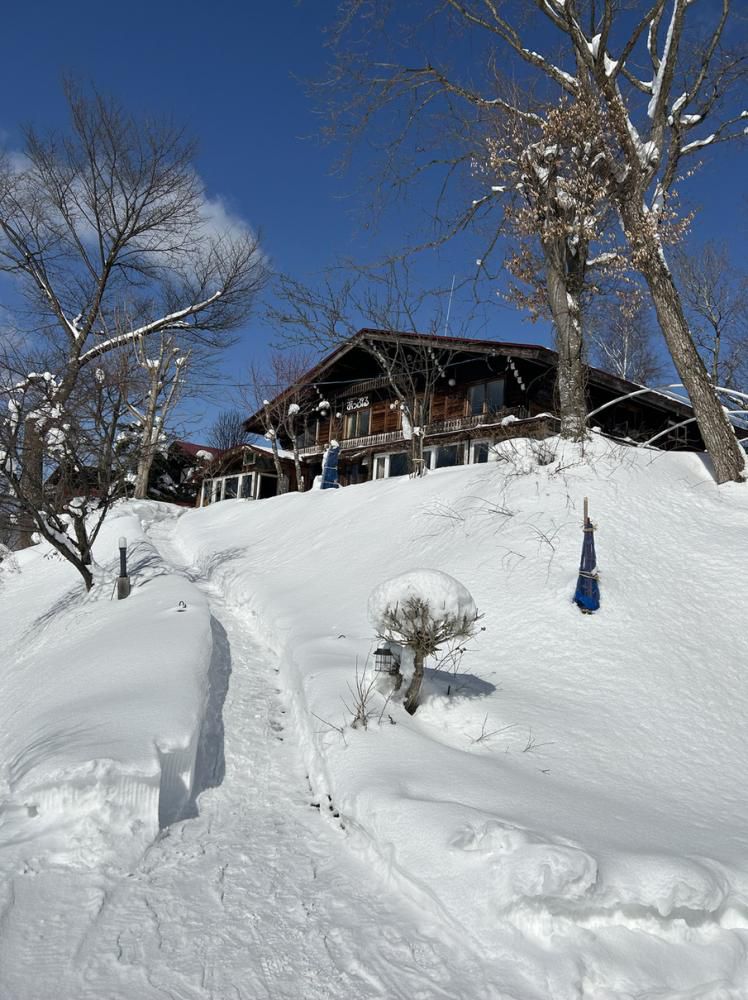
(193, 450)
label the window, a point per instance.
(486, 397)
(399, 464)
(231, 488)
(387, 466)
(308, 437)
(357, 423)
(446, 456)
(246, 491)
(479, 452)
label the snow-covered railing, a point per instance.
(435, 429)
(475, 420)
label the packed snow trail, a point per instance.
(257, 896)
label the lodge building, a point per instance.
(461, 395)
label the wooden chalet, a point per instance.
(245, 472)
(482, 392)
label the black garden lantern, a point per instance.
(384, 661)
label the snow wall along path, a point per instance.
(103, 701)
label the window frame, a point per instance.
(352, 419)
(483, 384)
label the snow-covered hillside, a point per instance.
(563, 816)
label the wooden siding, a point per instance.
(448, 405)
(383, 418)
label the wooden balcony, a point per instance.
(435, 429)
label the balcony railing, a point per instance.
(435, 429)
(367, 385)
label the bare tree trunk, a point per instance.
(570, 379)
(297, 466)
(145, 459)
(148, 439)
(716, 430)
(84, 546)
(414, 688)
(282, 487)
(32, 480)
(291, 428)
(273, 435)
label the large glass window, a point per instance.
(446, 456)
(246, 492)
(399, 464)
(387, 466)
(357, 423)
(479, 452)
(486, 397)
(231, 488)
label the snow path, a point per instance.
(257, 896)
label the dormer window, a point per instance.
(486, 397)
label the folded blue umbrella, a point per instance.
(587, 594)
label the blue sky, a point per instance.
(232, 73)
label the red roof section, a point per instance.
(188, 448)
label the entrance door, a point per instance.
(268, 486)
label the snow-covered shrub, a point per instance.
(523, 456)
(422, 610)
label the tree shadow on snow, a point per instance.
(437, 683)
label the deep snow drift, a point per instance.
(102, 701)
(568, 800)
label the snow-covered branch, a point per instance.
(497, 25)
(174, 321)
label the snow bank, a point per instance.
(102, 701)
(572, 793)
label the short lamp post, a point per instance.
(123, 580)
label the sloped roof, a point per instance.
(534, 352)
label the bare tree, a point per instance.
(284, 415)
(716, 297)
(649, 122)
(687, 111)
(84, 456)
(165, 372)
(107, 233)
(326, 316)
(620, 333)
(263, 390)
(545, 164)
(228, 430)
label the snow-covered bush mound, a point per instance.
(444, 599)
(102, 700)
(569, 798)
